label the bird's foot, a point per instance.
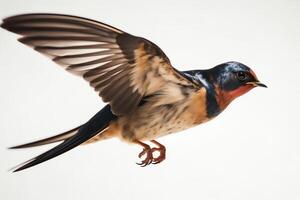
(149, 153)
(149, 157)
(162, 152)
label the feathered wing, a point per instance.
(122, 68)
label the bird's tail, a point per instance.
(57, 138)
(62, 137)
(77, 136)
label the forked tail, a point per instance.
(95, 125)
(49, 140)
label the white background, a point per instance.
(251, 151)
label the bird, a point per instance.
(146, 97)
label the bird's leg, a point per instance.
(162, 152)
(146, 150)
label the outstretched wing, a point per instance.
(121, 67)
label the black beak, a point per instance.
(259, 84)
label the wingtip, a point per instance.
(5, 22)
(13, 17)
(7, 26)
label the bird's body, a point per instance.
(147, 98)
(151, 121)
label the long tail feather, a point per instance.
(49, 140)
(95, 125)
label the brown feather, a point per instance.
(121, 67)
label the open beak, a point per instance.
(257, 84)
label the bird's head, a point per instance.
(233, 79)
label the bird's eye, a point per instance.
(242, 76)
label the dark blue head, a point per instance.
(224, 83)
(233, 75)
(233, 79)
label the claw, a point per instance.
(162, 152)
(142, 153)
(149, 159)
(146, 150)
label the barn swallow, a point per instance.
(146, 96)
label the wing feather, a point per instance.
(123, 68)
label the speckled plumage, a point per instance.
(147, 97)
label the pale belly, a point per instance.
(150, 123)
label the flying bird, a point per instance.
(146, 96)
